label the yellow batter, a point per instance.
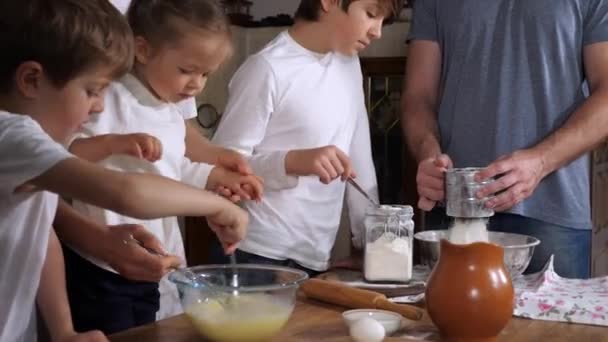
(244, 318)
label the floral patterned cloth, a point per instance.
(547, 296)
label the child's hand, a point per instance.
(235, 186)
(327, 162)
(89, 336)
(230, 226)
(233, 161)
(138, 145)
(228, 194)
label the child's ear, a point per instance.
(326, 5)
(143, 50)
(28, 78)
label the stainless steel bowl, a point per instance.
(518, 248)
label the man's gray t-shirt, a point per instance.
(512, 73)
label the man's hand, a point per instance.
(430, 181)
(328, 163)
(131, 259)
(517, 176)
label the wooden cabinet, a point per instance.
(395, 166)
(599, 211)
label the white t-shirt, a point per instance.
(122, 5)
(131, 108)
(187, 108)
(283, 98)
(25, 221)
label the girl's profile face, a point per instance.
(179, 70)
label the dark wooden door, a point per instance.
(599, 211)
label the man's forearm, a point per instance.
(420, 99)
(586, 128)
(420, 130)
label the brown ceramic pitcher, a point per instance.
(469, 294)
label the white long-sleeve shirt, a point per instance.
(131, 108)
(287, 98)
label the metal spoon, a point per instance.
(235, 275)
(362, 192)
(189, 274)
(234, 282)
(193, 279)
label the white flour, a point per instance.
(389, 258)
(465, 231)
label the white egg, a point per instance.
(367, 329)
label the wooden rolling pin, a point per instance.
(336, 293)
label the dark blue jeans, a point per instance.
(571, 247)
(217, 256)
(104, 300)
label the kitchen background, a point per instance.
(259, 21)
(266, 8)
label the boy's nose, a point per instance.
(375, 32)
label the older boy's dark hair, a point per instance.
(158, 21)
(309, 9)
(67, 37)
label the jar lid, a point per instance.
(389, 210)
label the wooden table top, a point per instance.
(315, 321)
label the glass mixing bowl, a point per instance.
(253, 311)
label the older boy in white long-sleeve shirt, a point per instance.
(297, 110)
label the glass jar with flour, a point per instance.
(389, 231)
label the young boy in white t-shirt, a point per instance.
(296, 110)
(58, 58)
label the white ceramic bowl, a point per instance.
(391, 321)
